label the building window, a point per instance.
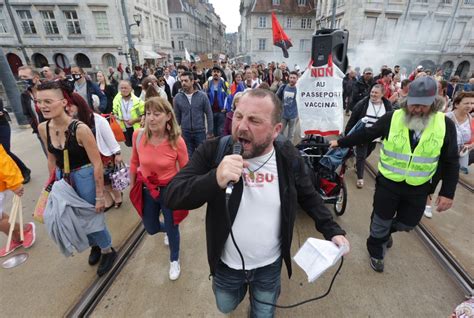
(3, 22)
(288, 23)
(302, 45)
(421, 1)
(458, 32)
(390, 28)
(179, 25)
(306, 23)
(50, 25)
(369, 28)
(436, 31)
(302, 2)
(162, 31)
(171, 23)
(446, 1)
(276, 2)
(181, 45)
(27, 23)
(261, 44)
(262, 22)
(412, 30)
(471, 2)
(101, 22)
(172, 44)
(72, 22)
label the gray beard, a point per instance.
(417, 122)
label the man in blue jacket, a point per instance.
(217, 90)
(86, 88)
(190, 106)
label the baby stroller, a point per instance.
(327, 171)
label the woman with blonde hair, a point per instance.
(158, 152)
(109, 90)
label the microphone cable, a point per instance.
(227, 211)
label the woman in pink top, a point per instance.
(158, 153)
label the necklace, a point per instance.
(376, 111)
(252, 172)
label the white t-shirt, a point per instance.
(257, 224)
(170, 80)
(190, 97)
(374, 112)
(127, 110)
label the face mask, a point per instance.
(28, 83)
(76, 77)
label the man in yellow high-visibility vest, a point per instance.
(417, 140)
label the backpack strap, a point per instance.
(224, 143)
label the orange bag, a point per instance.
(118, 133)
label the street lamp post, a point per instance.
(138, 19)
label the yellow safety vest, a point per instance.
(138, 110)
(397, 161)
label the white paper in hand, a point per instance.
(316, 256)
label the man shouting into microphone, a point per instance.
(269, 181)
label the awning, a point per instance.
(151, 55)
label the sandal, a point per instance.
(119, 204)
(108, 208)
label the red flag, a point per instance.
(280, 38)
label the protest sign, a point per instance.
(319, 100)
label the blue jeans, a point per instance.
(219, 120)
(82, 180)
(193, 140)
(230, 288)
(291, 123)
(151, 221)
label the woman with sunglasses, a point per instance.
(61, 132)
(108, 146)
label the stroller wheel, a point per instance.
(341, 203)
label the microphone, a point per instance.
(236, 150)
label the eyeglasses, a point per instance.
(47, 102)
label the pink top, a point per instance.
(158, 159)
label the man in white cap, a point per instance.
(418, 70)
(417, 140)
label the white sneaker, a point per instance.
(165, 240)
(175, 270)
(428, 211)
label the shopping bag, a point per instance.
(120, 178)
(41, 203)
(117, 130)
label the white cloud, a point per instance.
(228, 10)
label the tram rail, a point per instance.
(92, 296)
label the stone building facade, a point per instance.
(438, 33)
(88, 33)
(297, 19)
(195, 26)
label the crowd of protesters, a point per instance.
(168, 111)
